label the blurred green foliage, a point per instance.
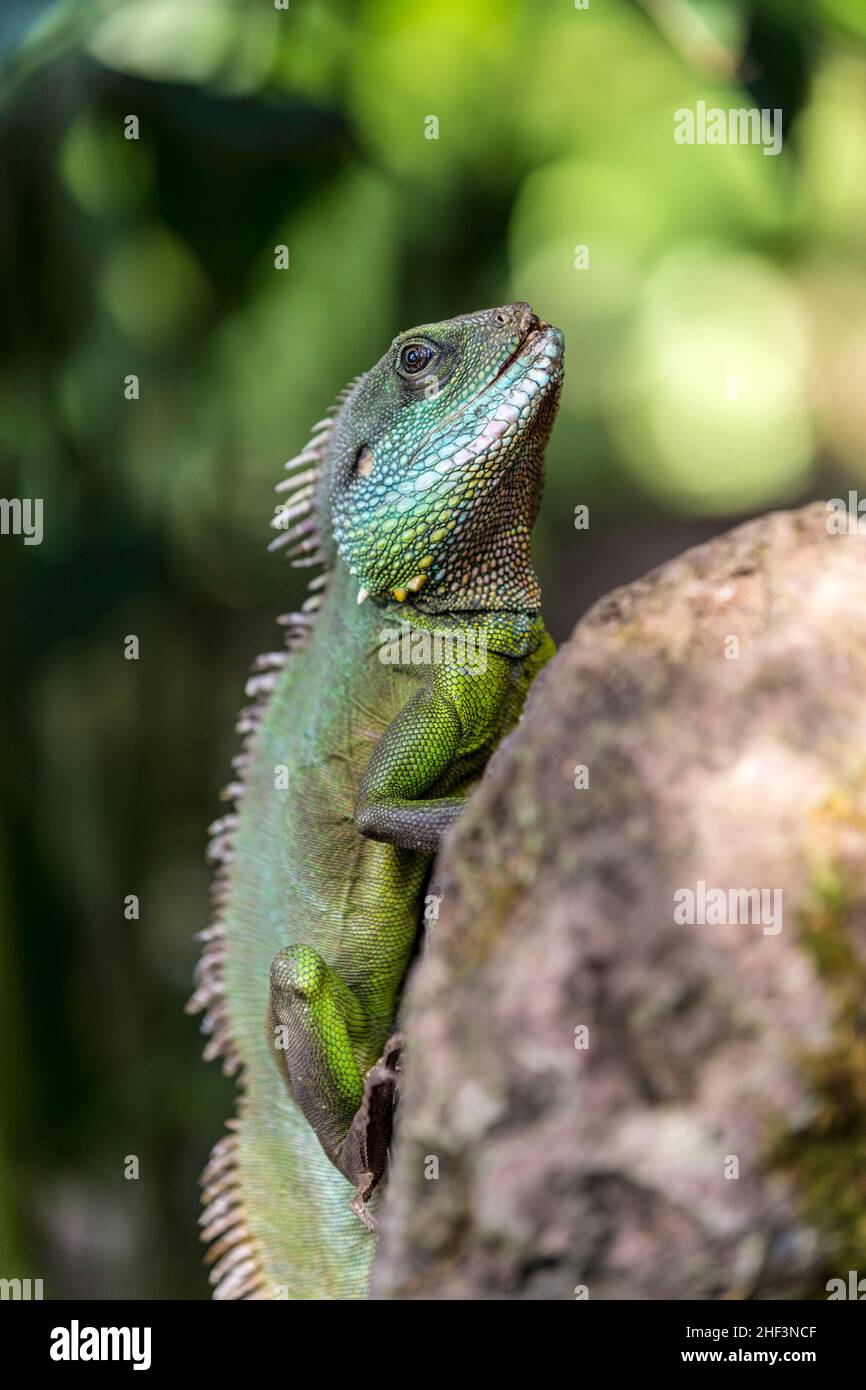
(715, 367)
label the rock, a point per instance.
(708, 1140)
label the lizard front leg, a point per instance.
(455, 716)
(414, 752)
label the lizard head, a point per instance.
(435, 465)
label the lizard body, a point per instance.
(410, 664)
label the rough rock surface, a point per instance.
(709, 1139)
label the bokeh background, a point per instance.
(716, 360)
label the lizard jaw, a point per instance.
(529, 375)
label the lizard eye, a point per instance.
(414, 357)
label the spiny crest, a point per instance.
(209, 995)
(295, 517)
(235, 1273)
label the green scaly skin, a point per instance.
(419, 498)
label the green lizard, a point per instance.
(408, 664)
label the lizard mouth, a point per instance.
(541, 339)
(520, 386)
(538, 333)
(526, 375)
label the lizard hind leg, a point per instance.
(324, 1040)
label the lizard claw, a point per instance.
(358, 1203)
(365, 1151)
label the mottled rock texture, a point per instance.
(719, 706)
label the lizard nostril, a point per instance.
(528, 321)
